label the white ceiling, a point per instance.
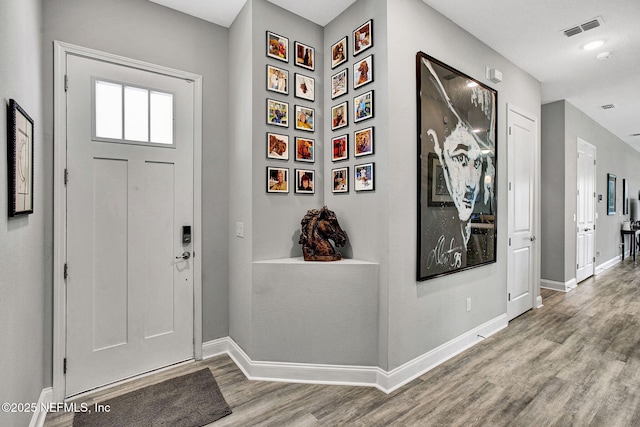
(530, 34)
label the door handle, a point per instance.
(532, 238)
(185, 255)
(587, 229)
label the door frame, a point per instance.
(536, 298)
(595, 208)
(61, 51)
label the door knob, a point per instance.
(532, 238)
(185, 255)
(587, 229)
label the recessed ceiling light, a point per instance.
(593, 45)
(603, 55)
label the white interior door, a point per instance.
(521, 141)
(129, 193)
(586, 212)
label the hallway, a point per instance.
(575, 361)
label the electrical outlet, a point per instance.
(468, 304)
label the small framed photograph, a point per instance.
(20, 160)
(277, 113)
(277, 80)
(363, 107)
(304, 181)
(305, 56)
(305, 87)
(305, 118)
(277, 146)
(339, 52)
(363, 144)
(340, 180)
(277, 47)
(363, 72)
(340, 148)
(339, 116)
(363, 37)
(305, 150)
(363, 177)
(339, 84)
(277, 180)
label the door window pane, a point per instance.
(161, 117)
(136, 114)
(108, 110)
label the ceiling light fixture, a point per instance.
(593, 45)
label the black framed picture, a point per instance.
(304, 181)
(20, 160)
(277, 113)
(364, 177)
(305, 150)
(363, 142)
(340, 148)
(340, 180)
(277, 146)
(305, 87)
(339, 52)
(457, 169)
(611, 194)
(277, 47)
(363, 72)
(305, 56)
(363, 107)
(339, 116)
(277, 79)
(339, 84)
(363, 37)
(305, 118)
(277, 180)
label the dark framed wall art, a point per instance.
(611, 194)
(20, 160)
(457, 146)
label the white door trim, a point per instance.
(537, 299)
(61, 50)
(580, 141)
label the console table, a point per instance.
(633, 236)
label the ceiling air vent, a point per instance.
(635, 134)
(586, 26)
(608, 106)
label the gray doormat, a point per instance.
(192, 400)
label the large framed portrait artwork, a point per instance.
(457, 147)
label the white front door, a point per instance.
(130, 142)
(521, 149)
(586, 211)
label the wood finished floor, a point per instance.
(573, 362)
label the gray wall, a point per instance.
(563, 124)
(146, 31)
(552, 171)
(23, 355)
(424, 315)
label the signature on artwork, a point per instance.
(441, 256)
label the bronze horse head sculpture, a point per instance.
(318, 226)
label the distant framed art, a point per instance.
(611, 194)
(339, 116)
(277, 113)
(363, 37)
(305, 56)
(339, 52)
(339, 84)
(364, 177)
(363, 72)
(363, 144)
(20, 160)
(340, 180)
(277, 146)
(277, 47)
(277, 180)
(305, 118)
(305, 87)
(277, 79)
(305, 150)
(340, 148)
(363, 107)
(304, 181)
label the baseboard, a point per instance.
(38, 417)
(371, 376)
(558, 286)
(607, 264)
